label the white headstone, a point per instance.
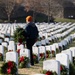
(47, 41)
(63, 59)
(0, 40)
(69, 53)
(63, 43)
(48, 47)
(21, 46)
(38, 43)
(56, 45)
(1, 49)
(2, 35)
(9, 48)
(5, 44)
(67, 40)
(43, 42)
(18, 46)
(25, 52)
(36, 51)
(12, 56)
(60, 45)
(52, 65)
(6, 39)
(42, 49)
(73, 51)
(53, 47)
(12, 45)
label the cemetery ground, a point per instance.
(37, 68)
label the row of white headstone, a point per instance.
(11, 46)
(36, 50)
(13, 56)
(64, 58)
(8, 29)
(56, 35)
(47, 28)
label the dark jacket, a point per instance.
(31, 31)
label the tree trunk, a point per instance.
(49, 13)
(48, 19)
(8, 18)
(33, 16)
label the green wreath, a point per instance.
(19, 35)
(23, 62)
(49, 72)
(1, 57)
(9, 67)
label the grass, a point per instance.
(37, 68)
(64, 20)
(39, 19)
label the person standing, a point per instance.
(31, 35)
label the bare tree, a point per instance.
(52, 7)
(47, 6)
(33, 5)
(8, 5)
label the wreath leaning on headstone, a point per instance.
(23, 62)
(9, 67)
(1, 57)
(19, 35)
(35, 58)
(49, 72)
(63, 70)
